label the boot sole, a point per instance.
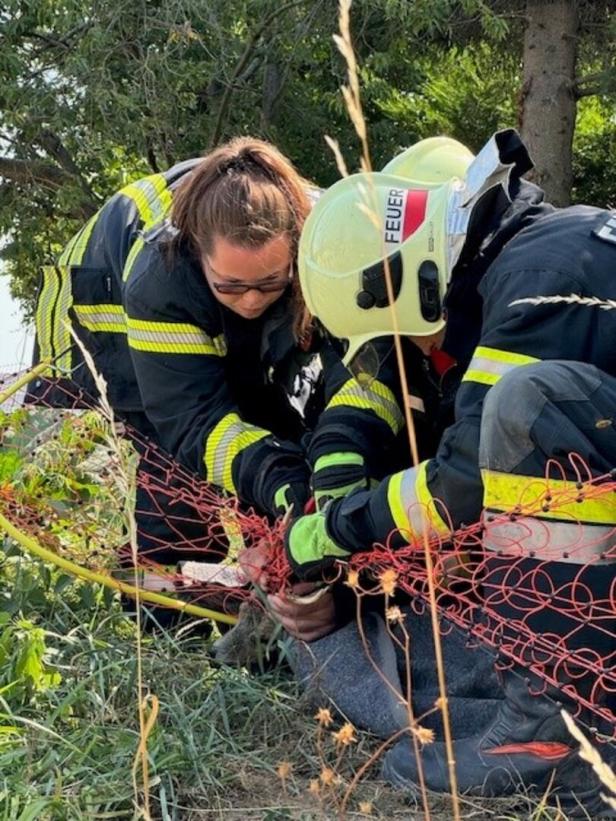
(587, 805)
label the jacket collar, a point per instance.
(496, 220)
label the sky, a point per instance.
(15, 339)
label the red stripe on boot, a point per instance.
(549, 750)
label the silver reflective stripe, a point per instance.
(154, 197)
(111, 321)
(390, 406)
(188, 337)
(221, 453)
(376, 397)
(415, 512)
(482, 363)
(549, 540)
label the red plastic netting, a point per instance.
(65, 483)
(560, 625)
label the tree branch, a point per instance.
(241, 63)
(38, 172)
(66, 42)
(601, 82)
(33, 171)
(54, 146)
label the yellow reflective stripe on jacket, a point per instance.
(544, 498)
(153, 200)
(377, 397)
(132, 256)
(54, 331)
(76, 249)
(109, 318)
(44, 311)
(68, 248)
(61, 330)
(488, 365)
(412, 505)
(228, 439)
(151, 196)
(172, 337)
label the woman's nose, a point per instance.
(252, 299)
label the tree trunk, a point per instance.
(547, 100)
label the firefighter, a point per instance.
(518, 292)
(183, 287)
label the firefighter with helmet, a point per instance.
(511, 288)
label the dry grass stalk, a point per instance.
(126, 475)
(353, 103)
(351, 93)
(590, 754)
(340, 163)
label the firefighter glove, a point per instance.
(310, 548)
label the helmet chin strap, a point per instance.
(485, 173)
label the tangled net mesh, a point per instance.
(64, 482)
(58, 484)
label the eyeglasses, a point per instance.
(238, 288)
(242, 288)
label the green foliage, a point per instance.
(59, 467)
(24, 671)
(594, 150)
(95, 94)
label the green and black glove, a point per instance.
(283, 480)
(310, 549)
(336, 475)
(292, 496)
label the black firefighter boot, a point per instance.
(527, 746)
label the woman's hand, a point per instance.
(307, 612)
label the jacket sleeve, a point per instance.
(181, 375)
(447, 491)
(358, 425)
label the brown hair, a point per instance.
(246, 192)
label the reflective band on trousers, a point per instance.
(411, 504)
(548, 498)
(227, 440)
(547, 540)
(377, 397)
(97, 318)
(489, 365)
(549, 519)
(172, 337)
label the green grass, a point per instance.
(69, 725)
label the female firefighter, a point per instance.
(183, 287)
